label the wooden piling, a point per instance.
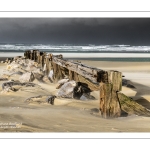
(38, 57)
(109, 102)
(27, 54)
(35, 55)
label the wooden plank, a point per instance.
(82, 70)
(132, 107)
(91, 85)
(109, 104)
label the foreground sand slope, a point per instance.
(68, 115)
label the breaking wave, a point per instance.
(73, 48)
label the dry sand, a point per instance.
(67, 115)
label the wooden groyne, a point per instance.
(108, 83)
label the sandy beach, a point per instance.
(70, 115)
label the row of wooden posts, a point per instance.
(108, 83)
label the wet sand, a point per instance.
(69, 115)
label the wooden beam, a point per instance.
(91, 85)
(132, 107)
(86, 71)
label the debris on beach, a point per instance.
(16, 85)
(41, 99)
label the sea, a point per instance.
(128, 53)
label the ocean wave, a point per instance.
(80, 48)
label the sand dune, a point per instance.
(70, 115)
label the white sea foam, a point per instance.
(48, 47)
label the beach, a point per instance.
(70, 115)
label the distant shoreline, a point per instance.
(76, 51)
(119, 57)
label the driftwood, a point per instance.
(47, 98)
(132, 107)
(9, 84)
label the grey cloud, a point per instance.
(76, 30)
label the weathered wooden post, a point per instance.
(47, 63)
(58, 74)
(38, 57)
(109, 102)
(35, 55)
(41, 59)
(31, 54)
(27, 54)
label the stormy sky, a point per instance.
(98, 31)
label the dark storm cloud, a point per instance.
(134, 31)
